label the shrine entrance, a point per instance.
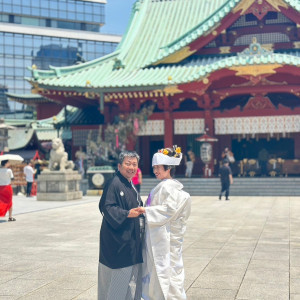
(276, 148)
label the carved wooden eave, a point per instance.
(259, 102)
(226, 92)
(262, 81)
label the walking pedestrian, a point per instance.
(226, 179)
(29, 174)
(6, 191)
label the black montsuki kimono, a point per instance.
(120, 241)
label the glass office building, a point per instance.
(48, 32)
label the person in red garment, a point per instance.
(6, 192)
(137, 180)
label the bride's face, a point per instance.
(160, 172)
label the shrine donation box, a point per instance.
(98, 176)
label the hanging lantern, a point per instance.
(206, 152)
(206, 147)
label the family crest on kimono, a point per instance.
(166, 212)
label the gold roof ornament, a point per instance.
(255, 70)
(172, 89)
(205, 80)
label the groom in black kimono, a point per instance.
(119, 273)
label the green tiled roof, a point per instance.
(160, 76)
(25, 96)
(43, 129)
(48, 122)
(20, 138)
(158, 29)
(87, 116)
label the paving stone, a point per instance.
(20, 287)
(266, 276)
(220, 294)
(218, 281)
(294, 272)
(278, 255)
(267, 264)
(48, 293)
(6, 276)
(295, 285)
(91, 293)
(263, 291)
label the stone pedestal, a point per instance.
(58, 186)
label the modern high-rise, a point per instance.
(48, 33)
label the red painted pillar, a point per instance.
(297, 145)
(168, 138)
(130, 145)
(209, 123)
(209, 128)
(107, 115)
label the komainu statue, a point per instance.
(58, 157)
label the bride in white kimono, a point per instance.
(166, 212)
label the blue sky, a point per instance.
(117, 14)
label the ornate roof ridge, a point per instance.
(196, 31)
(204, 27)
(59, 71)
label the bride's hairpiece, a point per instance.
(167, 156)
(176, 152)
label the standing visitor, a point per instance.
(138, 179)
(6, 191)
(263, 157)
(167, 210)
(121, 235)
(189, 163)
(227, 154)
(29, 174)
(226, 179)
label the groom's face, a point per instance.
(129, 167)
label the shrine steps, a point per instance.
(246, 186)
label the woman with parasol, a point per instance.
(6, 191)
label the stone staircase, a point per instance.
(257, 186)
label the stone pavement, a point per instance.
(245, 248)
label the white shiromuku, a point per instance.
(166, 216)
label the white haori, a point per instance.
(163, 273)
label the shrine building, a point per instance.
(227, 68)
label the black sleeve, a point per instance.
(110, 207)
